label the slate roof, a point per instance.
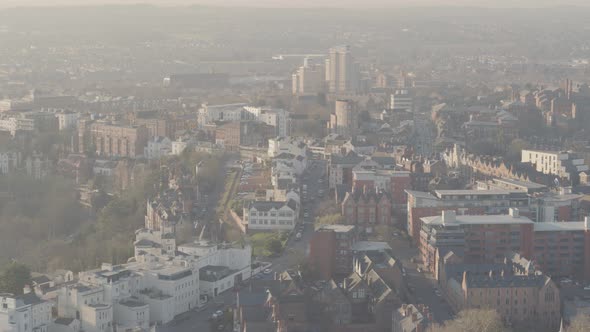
(269, 205)
(42, 279)
(496, 281)
(28, 299)
(63, 321)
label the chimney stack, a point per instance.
(586, 221)
(514, 212)
(449, 217)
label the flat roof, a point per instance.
(472, 192)
(526, 184)
(420, 194)
(479, 220)
(560, 226)
(337, 228)
(370, 246)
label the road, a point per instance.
(422, 284)
(295, 250)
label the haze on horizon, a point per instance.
(308, 3)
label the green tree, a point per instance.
(274, 246)
(329, 219)
(14, 277)
(514, 149)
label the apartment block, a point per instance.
(109, 140)
(424, 204)
(563, 164)
(561, 249)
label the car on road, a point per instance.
(298, 236)
(217, 314)
(437, 292)
(267, 271)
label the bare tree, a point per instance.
(473, 320)
(580, 323)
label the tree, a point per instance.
(580, 323)
(514, 149)
(14, 277)
(330, 219)
(274, 246)
(473, 320)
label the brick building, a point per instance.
(561, 249)
(330, 249)
(525, 298)
(366, 209)
(424, 204)
(394, 182)
(110, 140)
(232, 135)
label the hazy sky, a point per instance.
(309, 3)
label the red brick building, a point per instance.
(424, 204)
(560, 249)
(393, 182)
(330, 250)
(367, 209)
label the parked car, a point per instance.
(267, 271)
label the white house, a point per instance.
(24, 313)
(260, 215)
(157, 147)
(226, 112)
(180, 144)
(290, 145)
(278, 118)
